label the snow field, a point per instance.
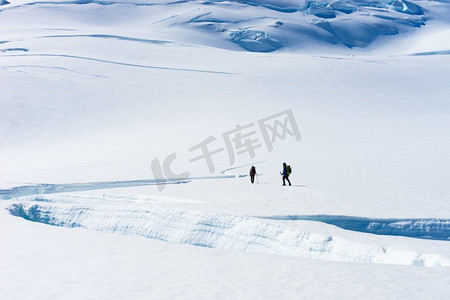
(91, 92)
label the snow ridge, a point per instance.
(224, 231)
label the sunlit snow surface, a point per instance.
(91, 92)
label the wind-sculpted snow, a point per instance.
(435, 229)
(254, 25)
(224, 231)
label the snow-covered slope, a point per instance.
(107, 109)
(260, 25)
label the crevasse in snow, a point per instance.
(224, 231)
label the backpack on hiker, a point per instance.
(288, 170)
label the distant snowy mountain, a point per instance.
(254, 25)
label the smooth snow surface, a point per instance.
(107, 110)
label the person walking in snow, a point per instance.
(252, 174)
(286, 172)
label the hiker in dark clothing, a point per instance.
(252, 174)
(286, 172)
